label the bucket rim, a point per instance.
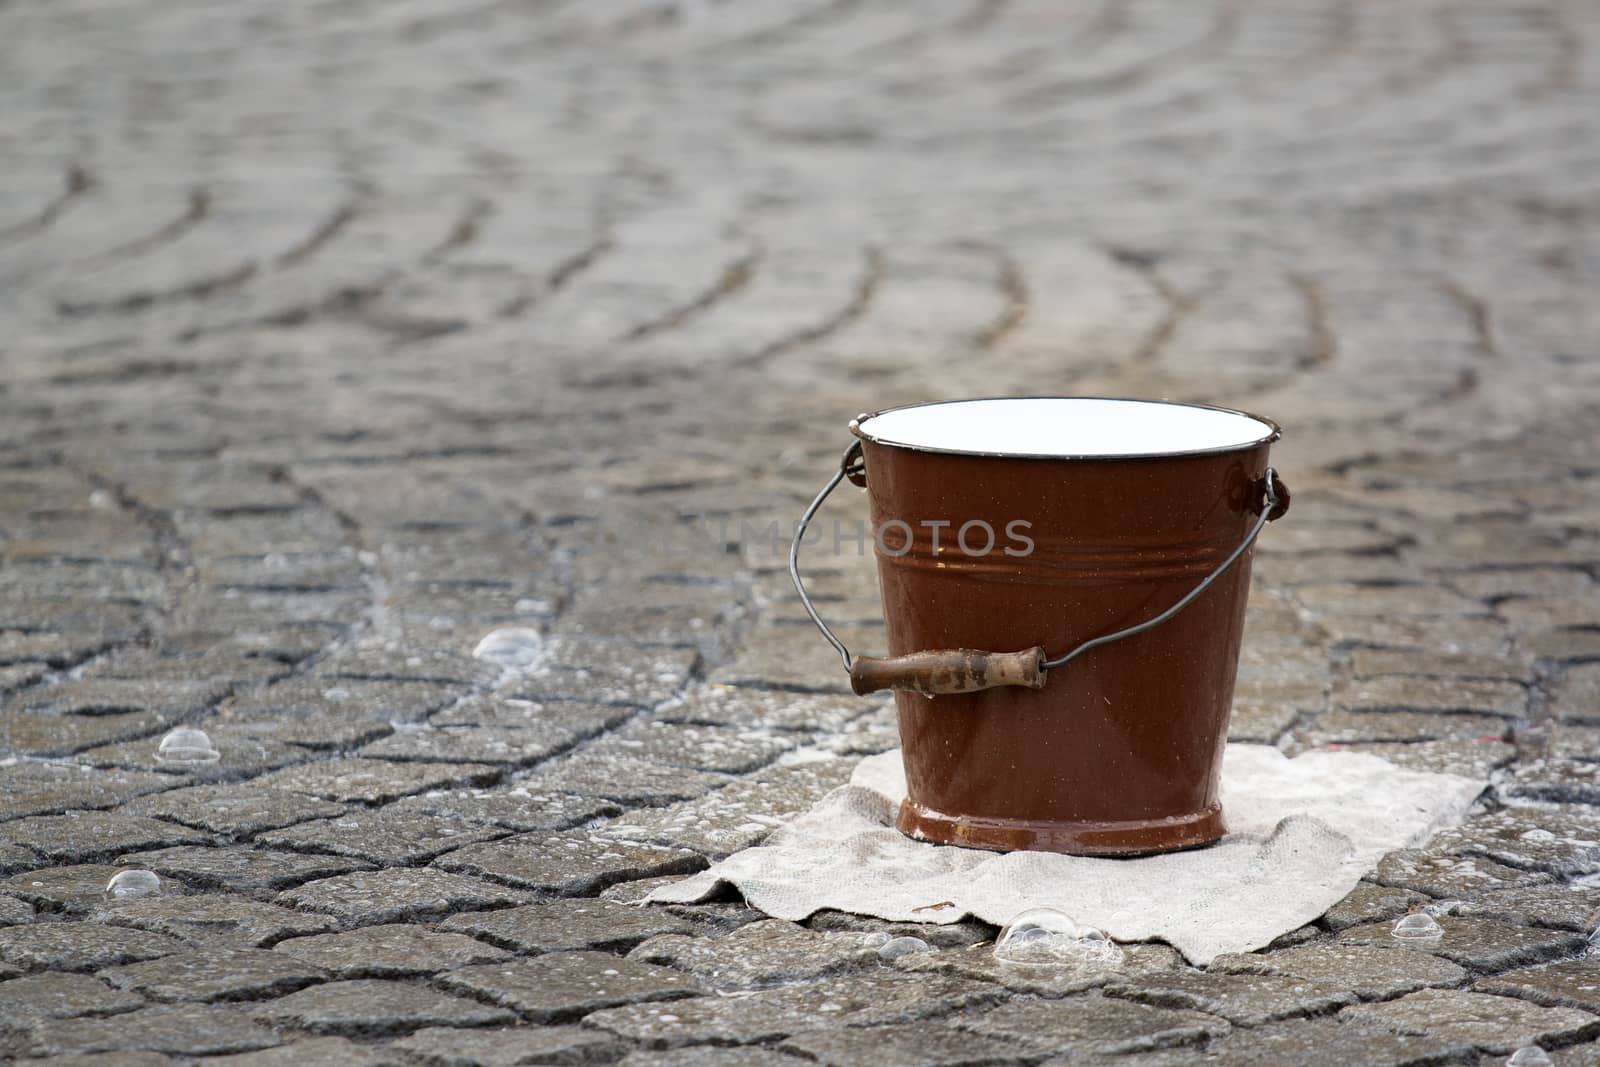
(1274, 432)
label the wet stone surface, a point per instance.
(1478, 944)
(365, 1007)
(569, 863)
(239, 868)
(1493, 1024)
(235, 810)
(564, 925)
(1094, 1024)
(80, 946)
(761, 954)
(188, 1029)
(214, 974)
(386, 837)
(563, 986)
(299, 404)
(226, 920)
(390, 951)
(54, 995)
(451, 1047)
(764, 1015)
(393, 895)
(1372, 973)
(903, 1046)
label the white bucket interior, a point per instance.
(1066, 426)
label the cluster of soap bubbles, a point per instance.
(1047, 937)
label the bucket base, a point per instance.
(1129, 838)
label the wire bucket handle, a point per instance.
(965, 670)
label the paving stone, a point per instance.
(1563, 907)
(47, 734)
(565, 925)
(769, 709)
(215, 974)
(1575, 693)
(1471, 758)
(107, 1059)
(241, 810)
(240, 868)
(370, 1007)
(1310, 1041)
(737, 816)
(446, 1047)
(965, 934)
(183, 1030)
(14, 912)
(1093, 1024)
(61, 996)
(79, 836)
(710, 1056)
(386, 837)
(243, 755)
(511, 806)
(1370, 972)
(1242, 999)
(571, 864)
(1368, 903)
(1569, 984)
(390, 951)
(625, 780)
(214, 919)
(1493, 1024)
(105, 696)
(79, 946)
(1558, 781)
(1448, 876)
(762, 954)
(375, 781)
(1394, 692)
(370, 897)
(511, 745)
(75, 890)
(771, 1014)
(606, 671)
(574, 719)
(1560, 644)
(1341, 727)
(1371, 662)
(321, 1051)
(296, 700)
(1564, 841)
(730, 750)
(914, 1045)
(54, 788)
(564, 986)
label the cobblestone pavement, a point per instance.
(337, 334)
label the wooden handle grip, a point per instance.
(949, 670)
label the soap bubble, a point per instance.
(1529, 1056)
(127, 885)
(186, 746)
(1043, 936)
(512, 647)
(903, 946)
(1418, 926)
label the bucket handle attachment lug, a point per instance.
(964, 670)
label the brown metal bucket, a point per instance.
(1114, 535)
